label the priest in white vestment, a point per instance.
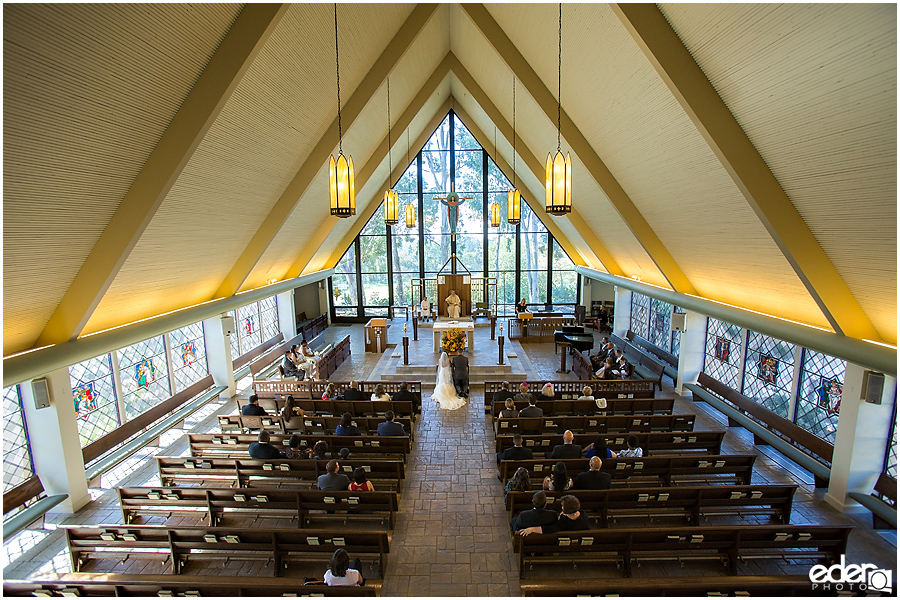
(453, 305)
(425, 308)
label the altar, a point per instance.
(467, 327)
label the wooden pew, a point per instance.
(616, 406)
(313, 389)
(184, 545)
(217, 504)
(721, 544)
(571, 389)
(237, 446)
(649, 470)
(359, 408)
(882, 502)
(653, 443)
(385, 474)
(595, 424)
(683, 501)
(767, 586)
(307, 424)
(134, 584)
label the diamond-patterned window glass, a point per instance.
(144, 375)
(819, 401)
(94, 398)
(676, 337)
(640, 315)
(188, 356)
(17, 465)
(660, 323)
(248, 327)
(769, 372)
(268, 314)
(235, 337)
(890, 459)
(723, 351)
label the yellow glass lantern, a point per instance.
(340, 183)
(391, 207)
(558, 184)
(495, 214)
(513, 207)
(410, 216)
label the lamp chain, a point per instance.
(390, 167)
(337, 61)
(514, 130)
(559, 84)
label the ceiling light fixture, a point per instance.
(495, 214)
(391, 198)
(410, 209)
(340, 172)
(514, 197)
(558, 182)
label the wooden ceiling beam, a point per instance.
(737, 154)
(220, 77)
(282, 209)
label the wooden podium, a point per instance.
(376, 335)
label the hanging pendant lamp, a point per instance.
(340, 171)
(514, 197)
(558, 182)
(391, 198)
(495, 214)
(410, 209)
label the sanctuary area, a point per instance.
(450, 299)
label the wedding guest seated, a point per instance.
(519, 482)
(534, 517)
(253, 409)
(291, 409)
(501, 395)
(587, 393)
(331, 480)
(606, 371)
(294, 450)
(343, 572)
(320, 450)
(509, 412)
(558, 480)
(595, 479)
(523, 395)
(262, 448)
(633, 450)
(570, 519)
(330, 392)
(598, 448)
(547, 390)
(345, 453)
(404, 395)
(360, 482)
(517, 452)
(346, 426)
(567, 449)
(624, 369)
(390, 427)
(290, 369)
(352, 393)
(531, 410)
(380, 394)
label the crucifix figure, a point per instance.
(452, 202)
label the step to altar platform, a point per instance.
(391, 368)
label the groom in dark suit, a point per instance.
(459, 365)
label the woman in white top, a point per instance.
(587, 393)
(558, 480)
(444, 391)
(380, 394)
(547, 390)
(340, 572)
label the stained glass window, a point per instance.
(248, 327)
(188, 348)
(660, 323)
(821, 387)
(723, 352)
(17, 465)
(268, 317)
(769, 372)
(640, 315)
(144, 376)
(890, 459)
(94, 398)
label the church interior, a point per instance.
(238, 352)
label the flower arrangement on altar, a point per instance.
(453, 340)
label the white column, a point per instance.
(690, 354)
(324, 300)
(287, 318)
(586, 284)
(55, 445)
(218, 354)
(622, 315)
(861, 440)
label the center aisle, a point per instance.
(451, 537)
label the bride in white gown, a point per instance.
(444, 390)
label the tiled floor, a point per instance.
(451, 537)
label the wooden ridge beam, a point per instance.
(620, 200)
(220, 77)
(737, 154)
(282, 209)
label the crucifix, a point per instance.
(452, 202)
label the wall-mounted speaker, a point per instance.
(873, 387)
(227, 325)
(41, 393)
(678, 321)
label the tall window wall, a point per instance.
(17, 466)
(254, 324)
(652, 320)
(525, 258)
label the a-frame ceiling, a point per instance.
(120, 203)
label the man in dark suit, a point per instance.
(390, 427)
(289, 368)
(352, 393)
(253, 409)
(460, 367)
(517, 452)
(595, 479)
(501, 396)
(407, 396)
(332, 480)
(531, 410)
(263, 449)
(534, 517)
(567, 449)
